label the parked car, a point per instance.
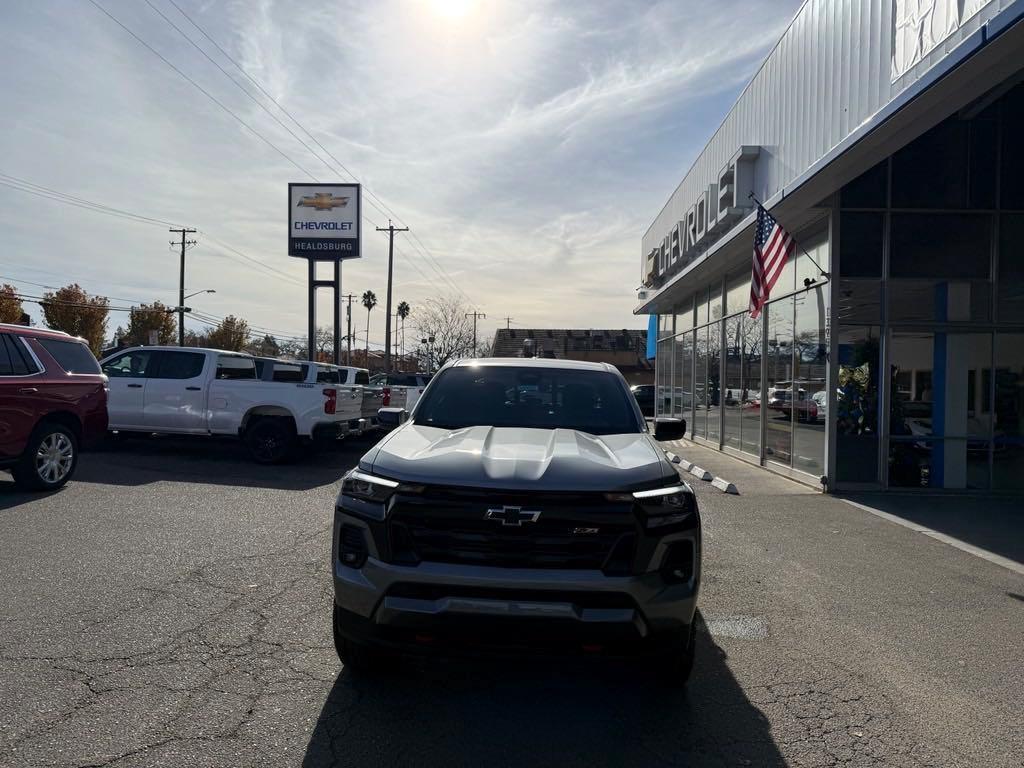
(644, 395)
(194, 391)
(820, 400)
(53, 404)
(780, 398)
(523, 503)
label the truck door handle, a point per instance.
(27, 391)
(193, 389)
(134, 386)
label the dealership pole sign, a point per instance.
(323, 221)
(323, 225)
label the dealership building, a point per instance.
(887, 136)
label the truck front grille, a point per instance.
(573, 531)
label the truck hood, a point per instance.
(512, 458)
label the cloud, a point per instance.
(527, 143)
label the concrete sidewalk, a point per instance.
(748, 478)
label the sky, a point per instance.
(528, 144)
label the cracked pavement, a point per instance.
(171, 606)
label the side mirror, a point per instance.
(669, 429)
(392, 417)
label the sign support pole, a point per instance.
(311, 347)
(337, 313)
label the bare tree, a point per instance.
(444, 318)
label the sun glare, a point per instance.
(452, 9)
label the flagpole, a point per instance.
(823, 273)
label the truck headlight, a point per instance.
(367, 487)
(666, 506)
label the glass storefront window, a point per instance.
(678, 363)
(684, 315)
(1011, 268)
(749, 397)
(778, 410)
(857, 403)
(700, 375)
(701, 300)
(1008, 413)
(940, 301)
(714, 383)
(684, 384)
(940, 245)
(941, 153)
(940, 422)
(860, 302)
(813, 242)
(715, 310)
(861, 237)
(809, 394)
(737, 293)
(663, 379)
(732, 387)
(868, 190)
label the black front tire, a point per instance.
(49, 460)
(270, 441)
(674, 666)
(355, 656)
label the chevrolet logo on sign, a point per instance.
(323, 201)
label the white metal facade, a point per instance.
(829, 76)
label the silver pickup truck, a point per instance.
(524, 503)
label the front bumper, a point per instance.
(441, 604)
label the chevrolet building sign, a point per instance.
(323, 221)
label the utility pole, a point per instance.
(508, 322)
(475, 315)
(348, 331)
(181, 281)
(390, 229)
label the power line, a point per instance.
(200, 88)
(383, 207)
(80, 202)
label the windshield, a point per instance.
(544, 398)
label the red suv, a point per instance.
(53, 400)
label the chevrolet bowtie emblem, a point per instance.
(512, 516)
(323, 201)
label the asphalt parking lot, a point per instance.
(171, 607)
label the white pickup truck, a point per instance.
(211, 392)
(350, 386)
(402, 390)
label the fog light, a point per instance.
(352, 546)
(677, 566)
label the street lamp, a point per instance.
(208, 290)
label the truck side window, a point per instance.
(130, 365)
(362, 377)
(288, 372)
(230, 367)
(179, 365)
(327, 376)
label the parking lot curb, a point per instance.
(702, 474)
(724, 485)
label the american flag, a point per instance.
(772, 248)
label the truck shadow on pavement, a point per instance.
(140, 461)
(541, 712)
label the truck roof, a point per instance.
(176, 348)
(534, 362)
